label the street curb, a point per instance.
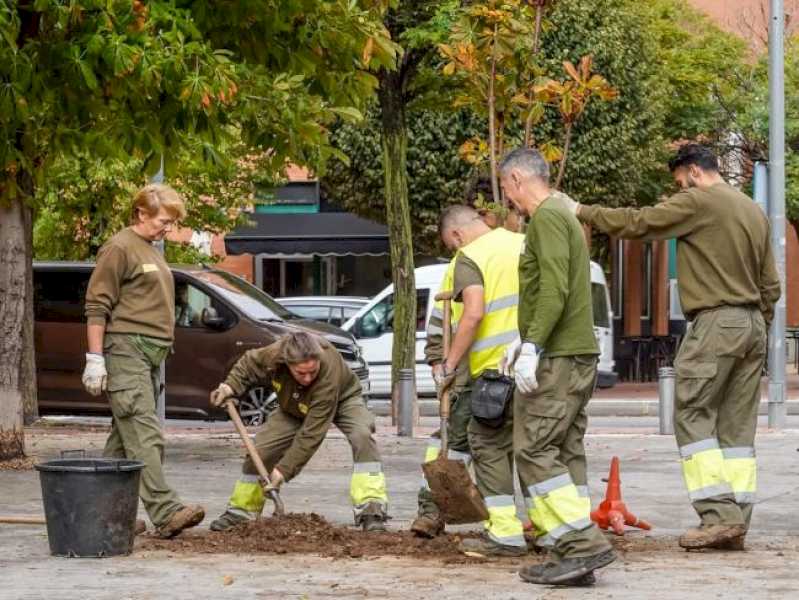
(596, 408)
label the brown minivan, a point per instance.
(218, 316)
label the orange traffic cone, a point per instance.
(612, 512)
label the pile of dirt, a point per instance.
(26, 463)
(311, 534)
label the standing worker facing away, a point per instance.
(555, 366)
(728, 286)
(130, 307)
(486, 282)
(315, 388)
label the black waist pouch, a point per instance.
(491, 395)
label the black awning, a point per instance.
(325, 234)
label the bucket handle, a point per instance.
(81, 452)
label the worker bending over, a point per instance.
(315, 388)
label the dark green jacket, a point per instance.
(316, 405)
(555, 310)
(724, 253)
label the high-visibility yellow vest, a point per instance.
(456, 307)
(496, 254)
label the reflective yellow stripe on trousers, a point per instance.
(703, 470)
(740, 470)
(368, 484)
(503, 526)
(247, 498)
(556, 507)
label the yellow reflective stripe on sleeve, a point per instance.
(368, 483)
(556, 507)
(248, 495)
(503, 526)
(740, 469)
(703, 470)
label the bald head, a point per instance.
(459, 225)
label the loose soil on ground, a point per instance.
(25, 463)
(312, 534)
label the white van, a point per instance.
(371, 326)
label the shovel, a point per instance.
(454, 492)
(259, 464)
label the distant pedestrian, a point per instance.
(130, 306)
(728, 286)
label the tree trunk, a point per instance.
(398, 218)
(17, 370)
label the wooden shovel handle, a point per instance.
(256, 459)
(23, 520)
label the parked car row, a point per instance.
(372, 326)
(219, 316)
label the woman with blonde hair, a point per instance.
(130, 309)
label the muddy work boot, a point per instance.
(140, 527)
(372, 518)
(569, 571)
(428, 526)
(485, 546)
(227, 520)
(711, 536)
(186, 517)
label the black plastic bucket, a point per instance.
(90, 505)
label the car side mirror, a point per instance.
(211, 319)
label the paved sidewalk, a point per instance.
(203, 463)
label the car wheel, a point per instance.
(257, 405)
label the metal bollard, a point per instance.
(405, 402)
(666, 383)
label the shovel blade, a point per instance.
(454, 492)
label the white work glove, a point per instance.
(221, 395)
(505, 365)
(526, 367)
(95, 377)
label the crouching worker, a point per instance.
(315, 388)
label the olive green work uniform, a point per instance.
(297, 428)
(555, 314)
(459, 397)
(728, 286)
(131, 293)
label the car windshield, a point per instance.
(253, 302)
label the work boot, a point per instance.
(735, 544)
(428, 526)
(140, 527)
(186, 517)
(485, 546)
(372, 518)
(710, 536)
(569, 571)
(227, 520)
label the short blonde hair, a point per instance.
(154, 196)
(299, 347)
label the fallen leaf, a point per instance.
(227, 580)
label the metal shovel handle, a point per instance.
(256, 459)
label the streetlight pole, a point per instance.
(160, 404)
(776, 210)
